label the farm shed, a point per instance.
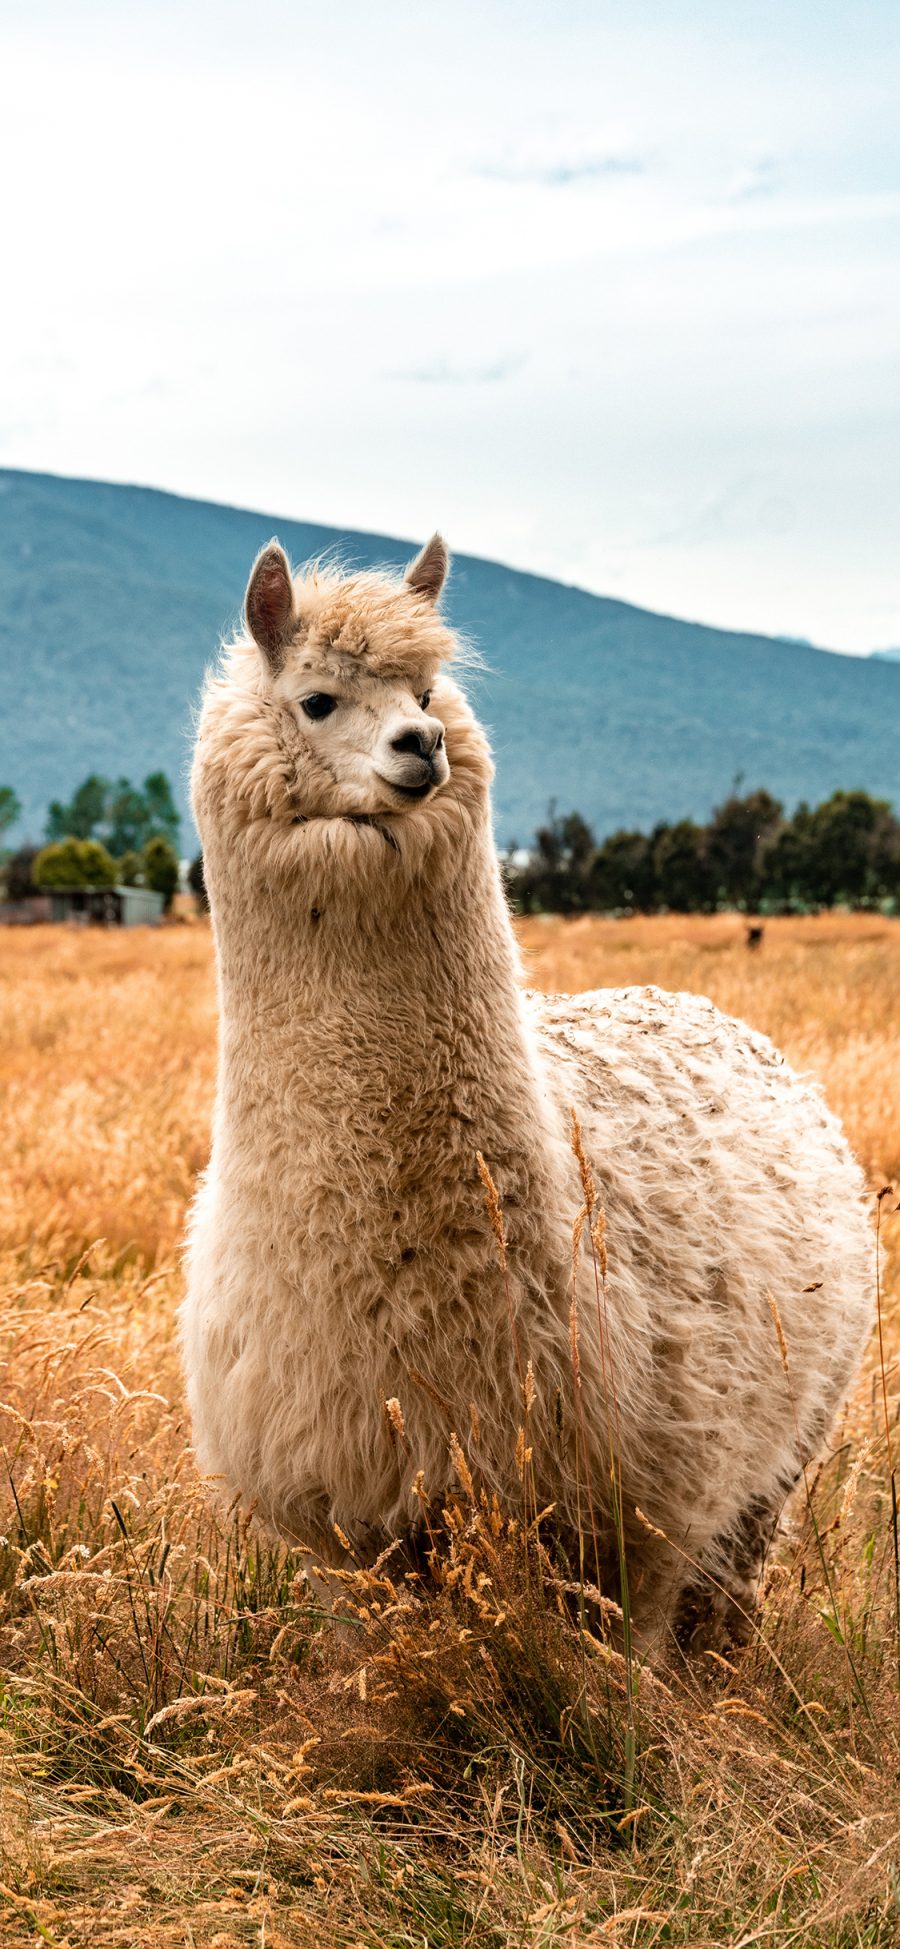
(106, 906)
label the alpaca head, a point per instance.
(353, 665)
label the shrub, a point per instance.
(74, 863)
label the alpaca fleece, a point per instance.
(374, 1038)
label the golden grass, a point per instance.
(190, 1754)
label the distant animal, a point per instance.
(755, 932)
(375, 1038)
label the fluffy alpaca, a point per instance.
(375, 1037)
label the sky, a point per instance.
(606, 291)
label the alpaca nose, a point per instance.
(420, 740)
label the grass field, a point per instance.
(191, 1755)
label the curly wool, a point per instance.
(374, 1038)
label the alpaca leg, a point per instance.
(655, 1579)
(718, 1611)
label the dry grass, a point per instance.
(190, 1754)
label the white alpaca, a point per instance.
(374, 1039)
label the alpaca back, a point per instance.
(734, 1214)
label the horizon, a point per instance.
(626, 318)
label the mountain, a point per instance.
(114, 599)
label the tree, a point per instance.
(74, 863)
(122, 815)
(683, 877)
(197, 884)
(749, 855)
(622, 872)
(736, 838)
(10, 809)
(847, 833)
(786, 866)
(126, 818)
(556, 877)
(885, 856)
(161, 868)
(132, 870)
(18, 873)
(162, 817)
(83, 815)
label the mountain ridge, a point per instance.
(117, 597)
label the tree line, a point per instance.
(750, 855)
(110, 833)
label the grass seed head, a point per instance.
(772, 1304)
(495, 1213)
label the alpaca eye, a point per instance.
(425, 699)
(319, 704)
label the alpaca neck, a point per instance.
(395, 1047)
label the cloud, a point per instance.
(448, 372)
(560, 174)
(760, 177)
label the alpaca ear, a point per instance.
(269, 603)
(428, 573)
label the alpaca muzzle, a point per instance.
(419, 775)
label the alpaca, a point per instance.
(375, 1037)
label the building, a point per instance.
(86, 906)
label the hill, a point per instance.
(115, 598)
